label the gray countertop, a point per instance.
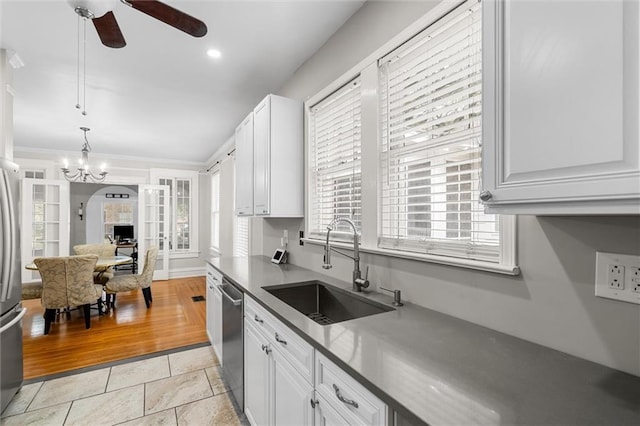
(443, 370)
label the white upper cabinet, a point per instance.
(278, 158)
(560, 107)
(244, 167)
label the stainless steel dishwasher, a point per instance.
(232, 341)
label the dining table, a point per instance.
(103, 263)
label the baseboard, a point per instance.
(198, 271)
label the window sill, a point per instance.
(449, 261)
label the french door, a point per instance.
(153, 227)
(45, 222)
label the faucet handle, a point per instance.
(366, 274)
(397, 296)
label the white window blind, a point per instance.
(430, 105)
(241, 236)
(215, 210)
(334, 161)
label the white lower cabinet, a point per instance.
(214, 310)
(326, 415)
(287, 382)
(256, 376)
(355, 404)
(276, 393)
(292, 394)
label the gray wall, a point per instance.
(552, 302)
(80, 193)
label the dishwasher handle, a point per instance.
(236, 302)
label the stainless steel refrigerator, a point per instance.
(11, 309)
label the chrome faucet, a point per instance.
(358, 281)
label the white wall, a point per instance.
(129, 171)
(552, 302)
(6, 105)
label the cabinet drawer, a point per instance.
(213, 276)
(292, 347)
(256, 315)
(355, 403)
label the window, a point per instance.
(418, 149)
(117, 213)
(240, 227)
(34, 174)
(183, 208)
(335, 160)
(241, 236)
(215, 210)
(430, 103)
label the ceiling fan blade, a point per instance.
(109, 30)
(170, 16)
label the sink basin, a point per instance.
(325, 304)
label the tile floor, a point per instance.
(181, 388)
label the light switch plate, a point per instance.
(628, 265)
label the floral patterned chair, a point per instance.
(68, 281)
(127, 282)
(102, 250)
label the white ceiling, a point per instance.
(161, 96)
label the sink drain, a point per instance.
(321, 319)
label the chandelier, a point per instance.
(84, 173)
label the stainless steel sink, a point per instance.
(325, 304)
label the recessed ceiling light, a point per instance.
(214, 53)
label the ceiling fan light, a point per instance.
(97, 7)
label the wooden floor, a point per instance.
(174, 320)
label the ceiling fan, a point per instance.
(101, 14)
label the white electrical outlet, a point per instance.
(615, 276)
(634, 274)
(618, 276)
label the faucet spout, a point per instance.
(358, 281)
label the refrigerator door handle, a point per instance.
(5, 281)
(14, 242)
(13, 322)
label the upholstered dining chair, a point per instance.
(68, 281)
(102, 250)
(121, 283)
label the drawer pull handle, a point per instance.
(256, 318)
(266, 349)
(343, 399)
(279, 340)
(314, 402)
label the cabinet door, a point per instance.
(244, 167)
(325, 415)
(560, 106)
(261, 157)
(210, 308)
(292, 394)
(256, 377)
